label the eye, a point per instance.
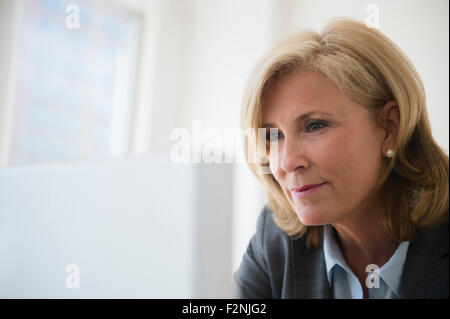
(315, 126)
(274, 136)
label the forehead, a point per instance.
(302, 92)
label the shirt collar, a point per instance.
(390, 272)
(332, 253)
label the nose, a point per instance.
(292, 155)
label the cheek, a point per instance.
(352, 162)
(275, 168)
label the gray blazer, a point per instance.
(277, 266)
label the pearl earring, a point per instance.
(390, 153)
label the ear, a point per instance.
(390, 118)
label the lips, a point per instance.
(306, 187)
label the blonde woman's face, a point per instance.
(323, 139)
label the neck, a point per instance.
(363, 238)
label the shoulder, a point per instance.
(266, 224)
(425, 273)
(255, 277)
(276, 265)
(273, 241)
(267, 230)
(433, 241)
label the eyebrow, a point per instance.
(301, 118)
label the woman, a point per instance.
(357, 187)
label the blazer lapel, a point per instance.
(310, 279)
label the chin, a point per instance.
(311, 217)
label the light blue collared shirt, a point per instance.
(345, 285)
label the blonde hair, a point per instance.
(371, 70)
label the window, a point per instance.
(73, 86)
